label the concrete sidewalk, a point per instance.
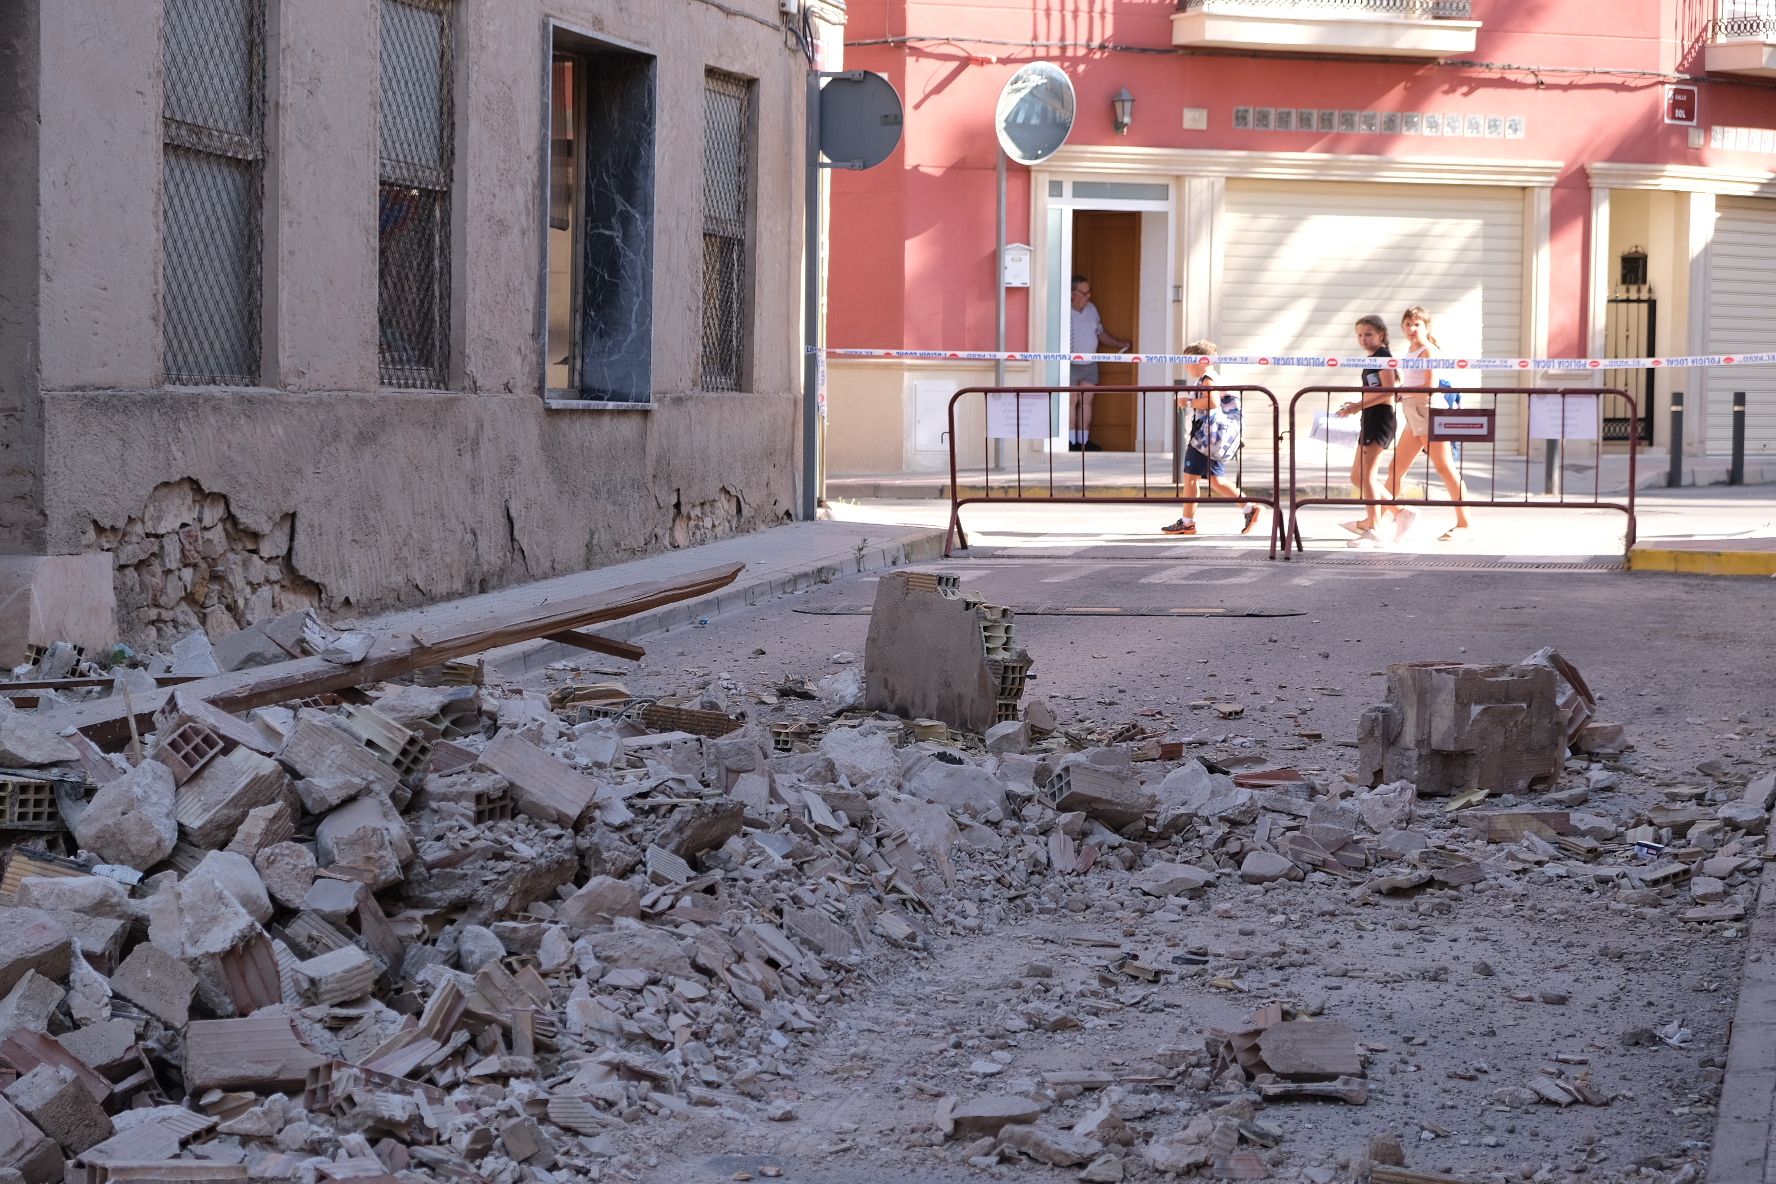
(778, 561)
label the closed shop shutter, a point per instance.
(1300, 262)
(1742, 319)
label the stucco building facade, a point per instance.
(1525, 170)
(357, 303)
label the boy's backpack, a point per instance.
(1217, 435)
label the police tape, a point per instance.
(1316, 361)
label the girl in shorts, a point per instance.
(1415, 408)
(1376, 428)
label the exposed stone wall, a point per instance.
(719, 517)
(185, 562)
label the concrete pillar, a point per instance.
(320, 194)
(1696, 238)
(21, 423)
(99, 209)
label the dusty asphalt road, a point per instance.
(1686, 662)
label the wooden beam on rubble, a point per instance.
(449, 631)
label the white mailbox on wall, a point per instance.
(1017, 265)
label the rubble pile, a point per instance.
(479, 932)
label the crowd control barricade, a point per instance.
(1015, 416)
(1509, 445)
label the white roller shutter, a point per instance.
(1742, 319)
(1300, 262)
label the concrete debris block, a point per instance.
(332, 765)
(962, 788)
(1451, 729)
(369, 834)
(217, 799)
(96, 896)
(54, 1098)
(1267, 867)
(629, 946)
(1707, 889)
(930, 655)
(1306, 1050)
(28, 1006)
(1761, 792)
(1182, 1152)
(259, 1052)
(1600, 739)
(1108, 797)
(1012, 735)
(1572, 697)
(601, 901)
(543, 787)
(193, 654)
(987, 1115)
(25, 741)
(1190, 793)
(288, 870)
(337, 976)
(1045, 1144)
(861, 755)
(1387, 807)
(191, 920)
(158, 983)
(107, 1046)
(235, 875)
(692, 830)
(478, 946)
(1747, 816)
(131, 820)
(32, 940)
(1172, 879)
(841, 690)
(27, 1151)
(1105, 1169)
(1592, 826)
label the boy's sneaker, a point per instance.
(1251, 520)
(1179, 527)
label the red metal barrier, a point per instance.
(1038, 483)
(1576, 421)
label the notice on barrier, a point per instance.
(1563, 417)
(1455, 424)
(1017, 416)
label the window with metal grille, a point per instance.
(213, 143)
(413, 197)
(727, 154)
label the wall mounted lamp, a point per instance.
(1122, 108)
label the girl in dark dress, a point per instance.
(1377, 427)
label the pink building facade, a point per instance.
(1552, 178)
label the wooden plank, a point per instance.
(598, 644)
(459, 630)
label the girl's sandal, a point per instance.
(1452, 534)
(1358, 527)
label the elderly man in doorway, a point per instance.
(1088, 337)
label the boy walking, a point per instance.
(1214, 437)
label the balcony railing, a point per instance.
(1430, 10)
(1743, 20)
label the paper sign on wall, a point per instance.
(1018, 417)
(1563, 417)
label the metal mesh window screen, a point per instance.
(727, 153)
(413, 198)
(213, 143)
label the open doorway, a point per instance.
(1107, 251)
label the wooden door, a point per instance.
(1107, 251)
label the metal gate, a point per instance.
(1630, 322)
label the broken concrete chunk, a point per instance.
(55, 1099)
(694, 829)
(931, 654)
(1310, 1050)
(288, 870)
(131, 820)
(97, 896)
(333, 765)
(366, 833)
(158, 983)
(190, 920)
(342, 974)
(1011, 736)
(1387, 807)
(860, 755)
(1450, 728)
(26, 741)
(1190, 793)
(1108, 797)
(28, 1006)
(255, 1053)
(1266, 867)
(629, 946)
(32, 940)
(601, 901)
(27, 1151)
(1045, 1144)
(1172, 879)
(235, 875)
(214, 803)
(543, 787)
